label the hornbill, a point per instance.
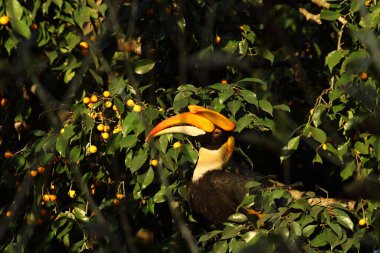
(213, 194)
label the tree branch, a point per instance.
(309, 16)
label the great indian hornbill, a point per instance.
(213, 194)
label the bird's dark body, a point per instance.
(216, 195)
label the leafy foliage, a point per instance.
(82, 82)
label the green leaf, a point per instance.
(329, 15)
(234, 106)
(344, 219)
(318, 111)
(119, 105)
(331, 238)
(319, 240)
(249, 97)
(334, 57)
(148, 178)
(159, 197)
(220, 247)
(243, 122)
(361, 147)
(113, 144)
(295, 228)
(82, 15)
(231, 231)
(138, 161)
(348, 170)
(317, 158)
(75, 154)
(289, 148)
(61, 145)
(249, 80)
(14, 10)
(87, 123)
(266, 106)
(265, 53)
(238, 217)
(337, 229)
(301, 204)
(181, 100)
(128, 141)
(117, 86)
(308, 230)
(21, 28)
(143, 66)
(317, 134)
(282, 107)
(130, 122)
(209, 236)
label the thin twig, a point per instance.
(309, 16)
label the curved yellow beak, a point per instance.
(196, 122)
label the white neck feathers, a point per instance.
(208, 160)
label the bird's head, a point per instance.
(213, 130)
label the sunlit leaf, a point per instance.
(143, 66)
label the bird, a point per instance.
(213, 193)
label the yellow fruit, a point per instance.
(362, 222)
(130, 103)
(100, 127)
(119, 196)
(46, 197)
(41, 169)
(4, 20)
(8, 154)
(86, 100)
(177, 145)
(52, 187)
(224, 81)
(324, 146)
(106, 94)
(154, 162)
(92, 191)
(93, 149)
(8, 213)
(116, 130)
(53, 197)
(311, 111)
(90, 105)
(114, 107)
(108, 104)
(3, 102)
(116, 202)
(217, 39)
(364, 76)
(34, 26)
(62, 130)
(93, 115)
(137, 108)
(83, 44)
(71, 193)
(33, 173)
(105, 136)
(94, 98)
(106, 128)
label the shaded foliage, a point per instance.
(77, 174)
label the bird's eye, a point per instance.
(216, 133)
